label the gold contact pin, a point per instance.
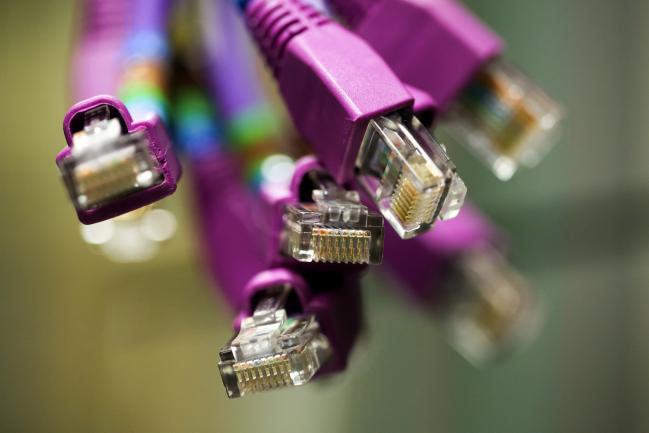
(333, 245)
(263, 374)
(408, 204)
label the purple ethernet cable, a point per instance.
(104, 29)
(312, 223)
(112, 164)
(290, 326)
(233, 78)
(356, 114)
(118, 155)
(294, 328)
(487, 103)
(231, 250)
(485, 306)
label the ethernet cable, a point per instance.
(114, 164)
(252, 125)
(119, 156)
(292, 331)
(487, 103)
(313, 223)
(328, 224)
(290, 327)
(485, 306)
(356, 114)
(272, 349)
(104, 27)
(230, 249)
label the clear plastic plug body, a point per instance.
(105, 163)
(505, 118)
(335, 228)
(273, 350)
(489, 308)
(408, 174)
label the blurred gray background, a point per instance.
(91, 346)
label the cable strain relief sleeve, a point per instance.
(274, 23)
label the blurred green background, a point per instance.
(91, 346)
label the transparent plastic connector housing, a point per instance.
(272, 350)
(408, 174)
(505, 118)
(335, 228)
(106, 163)
(489, 308)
